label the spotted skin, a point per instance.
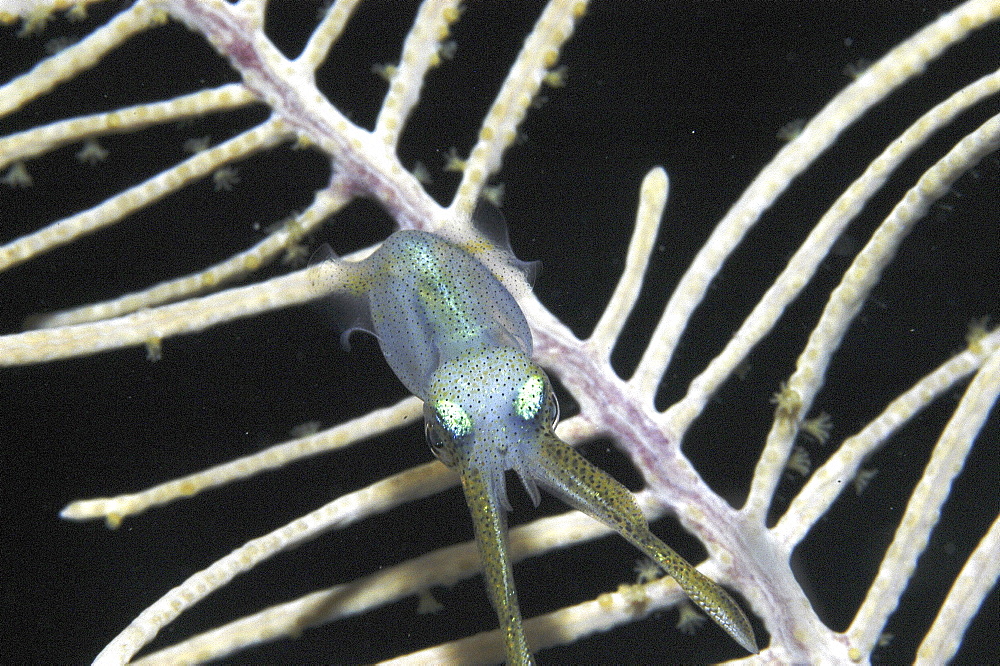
(427, 301)
(457, 340)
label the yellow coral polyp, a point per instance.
(113, 520)
(818, 427)
(788, 401)
(453, 162)
(555, 78)
(976, 333)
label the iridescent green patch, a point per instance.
(530, 397)
(454, 419)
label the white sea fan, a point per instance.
(819, 288)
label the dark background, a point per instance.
(699, 88)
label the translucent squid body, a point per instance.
(457, 339)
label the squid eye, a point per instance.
(435, 439)
(552, 407)
(439, 437)
(441, 446)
